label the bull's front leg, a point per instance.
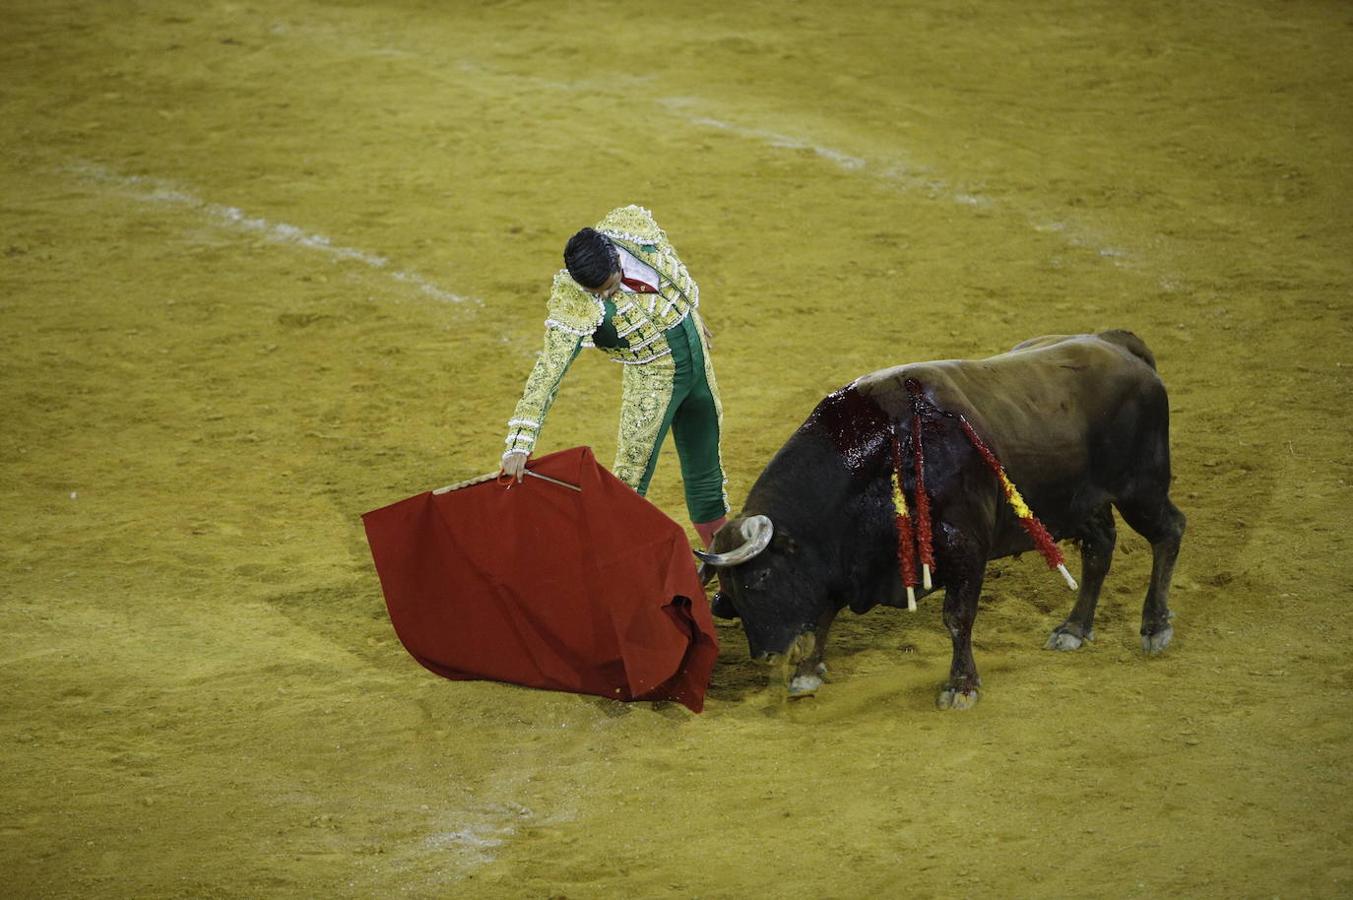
(964, 569)
(809, 672)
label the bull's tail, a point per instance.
(1129, 342)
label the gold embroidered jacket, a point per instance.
(640, 320)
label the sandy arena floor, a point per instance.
(264, 267)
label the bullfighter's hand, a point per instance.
(514, 466)
(709, 338)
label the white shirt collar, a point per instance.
(633, 267)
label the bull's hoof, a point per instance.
(806, 683)
(1066, 638)
(804, 686)
(1153, 644)
(950, 698)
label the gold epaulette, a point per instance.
(571, 308)
(633, 224)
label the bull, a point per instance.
(1081, 425)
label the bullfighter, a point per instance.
(624, 290)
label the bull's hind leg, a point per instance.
(1163, 525)
(1097, 542)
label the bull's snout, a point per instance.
(800, 649)
(783, 667)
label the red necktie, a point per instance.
(639, 287)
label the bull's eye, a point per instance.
(757, 580)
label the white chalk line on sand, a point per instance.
(782, 141)
(904, 176)
(471, 838)
(156, 190)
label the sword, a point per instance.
(491, 476)
(572, 487)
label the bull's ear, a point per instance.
(785, 544)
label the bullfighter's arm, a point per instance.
(560, 349)
(574, 315)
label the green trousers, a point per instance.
(693, 413)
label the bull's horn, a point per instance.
(755, 532)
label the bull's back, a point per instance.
(1040, 401)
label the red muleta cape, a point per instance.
(593, 591)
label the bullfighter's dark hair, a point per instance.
(591, 258)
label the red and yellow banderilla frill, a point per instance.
(904, 535)
(917, 540)
(1027, 520)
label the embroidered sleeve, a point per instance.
(560, 349)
